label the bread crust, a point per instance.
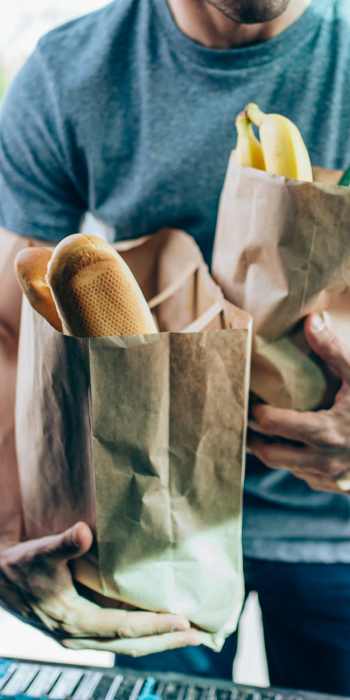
(94, 290)
(31, 267)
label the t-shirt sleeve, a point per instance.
(39, 194)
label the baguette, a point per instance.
(94, 290)
(31, 267)
(84, 289)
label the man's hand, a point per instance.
(36, 584)
(322, 454)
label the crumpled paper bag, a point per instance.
(144, 438)
(282, 251)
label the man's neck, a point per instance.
(206, 25)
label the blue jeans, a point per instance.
(306, 618)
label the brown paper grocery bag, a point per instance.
(282, 251)
(144, 438)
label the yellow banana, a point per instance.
(283, 147)
(248, 152)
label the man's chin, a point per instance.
(251, 11)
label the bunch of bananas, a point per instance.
(280, 149)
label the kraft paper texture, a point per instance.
(282, 251)
(144, 438)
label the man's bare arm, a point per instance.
(10, 309)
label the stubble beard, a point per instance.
(250, 11)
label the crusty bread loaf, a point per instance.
(31, 267)
(95, 292)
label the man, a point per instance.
(127, 113)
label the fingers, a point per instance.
(142, 646)
(326, 485)
(81, 536)
(278, 456)
(307, 427)
(38, 568)
(325, 343)
(343, 482)
(304, 462)
(71, 544)
(31, 268)
(68, 545)
(81, 618)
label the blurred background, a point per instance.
(21, 25)
(23, 22)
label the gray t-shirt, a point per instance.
(121, 115)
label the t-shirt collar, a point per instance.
(303, 29)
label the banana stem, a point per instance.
(254, 114)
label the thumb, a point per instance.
(71, 544)
(327, 345)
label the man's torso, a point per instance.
(146, 123)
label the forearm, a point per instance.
(10, 510)
(10, 312)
